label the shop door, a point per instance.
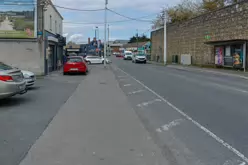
(51, 58)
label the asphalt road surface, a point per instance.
(24, 118)
(6, 25)
(194, 117)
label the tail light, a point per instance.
(6, 78)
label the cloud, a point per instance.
(76, 38)
(80, 25)
(65, 34)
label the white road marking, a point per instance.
(218, 139)
(174, 123)
(127, 85)
(234, 162)
(144, 104)
(134, 92)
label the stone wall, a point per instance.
(157, 44)
(189, 37)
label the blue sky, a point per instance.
(75, 29)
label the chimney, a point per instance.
(89, 40)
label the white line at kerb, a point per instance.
(235, 151)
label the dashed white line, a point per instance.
(127, 85)
(174, 123)
(243, 163)
(134, 92)
(144, 104)
(218, 139)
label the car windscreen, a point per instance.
(128, 54)
(5, 67)
(74, 60)
(141, 55)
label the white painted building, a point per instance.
(53, 32)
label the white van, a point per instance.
(128, 55)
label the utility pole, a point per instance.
(137, 38)
(165, 39)
(108, 41)
(105, 32)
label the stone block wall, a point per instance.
(189, 37)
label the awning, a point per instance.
(226, 42)
(51, 38)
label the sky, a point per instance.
(78, 25)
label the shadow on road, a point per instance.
(13, 101)
(33, 88)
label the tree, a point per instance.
(137, 38)
(188, 9)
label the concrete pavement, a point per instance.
(96, 125)
(24, 118)
(201, 118)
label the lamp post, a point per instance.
(105, 32)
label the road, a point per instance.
(24, 118)
(6, 25)
(196, 117)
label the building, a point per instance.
(136, 46)
(33, 40)
(117, 44)
(216, 38)
(54, 41)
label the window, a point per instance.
(75, 59)
(5, 67)
(59, 29)
(51, 22)
(56, 27)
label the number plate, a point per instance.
(74, 69)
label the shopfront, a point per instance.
(230, 53)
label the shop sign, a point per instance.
(219, 53)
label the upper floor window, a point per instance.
(56, 29)
(51, 22)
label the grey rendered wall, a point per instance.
(24, 55)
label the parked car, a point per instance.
(75, 64)
(96, 60)
(29, 77)
(139, 58)
(12, 81)
(128, 55)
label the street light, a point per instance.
(96, 32)
(105, 32)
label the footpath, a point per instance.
(96, 126)
(228, 72)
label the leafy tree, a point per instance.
(188, 9)
(137, 38)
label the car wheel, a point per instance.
(64, 73)
(145, 62)
(88, 62)
(102, 61)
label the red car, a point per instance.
(75, 64)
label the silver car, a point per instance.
(12, 81)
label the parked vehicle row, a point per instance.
(14, 81)
(79, 64)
